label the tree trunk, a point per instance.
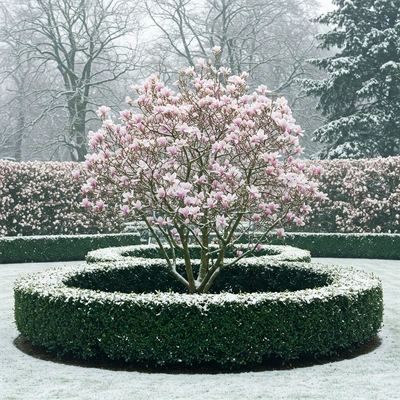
(18, 143)
(77, 115)
(18, 136)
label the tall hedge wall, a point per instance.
(363, 196)
(39, 198)
(43, 198)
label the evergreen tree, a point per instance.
(360, 97)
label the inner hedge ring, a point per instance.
(126, 253)
(227, 328)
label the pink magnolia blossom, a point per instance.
(322, 196)
(161, 193)
(200, 180)
(124, 180)
(92, 182)
(201, 63)
(171, 178)
(99, 205)
(138, 205)
(211, 203)
(280, 232)
(108, 123)
(216, 49)
(127, 197)
(256, 217)
(162, 141)
(305, 209)
(185, 211)
(161, 221)
(220, 222)
(172, 150)
(103, 111)
(126, 114)
(290, 216)
(125, 209)
(259, 137)
(316, 170)
(262, 89)
(299, 221)
(211, 161)
(254, 192)
(273, 206)
(195, 212)
(189, 71)
(224, 71)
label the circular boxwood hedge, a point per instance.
(133, 312)
(126, 253)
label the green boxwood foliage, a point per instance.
(283, 310)
(126, 253)
(58, 247)
(64, 248)
(347, 245)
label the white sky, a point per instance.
(326, 5)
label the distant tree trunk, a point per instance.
(18, 138)
(77, 131)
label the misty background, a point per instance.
(62, 59)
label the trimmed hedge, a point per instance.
(126, 253)
(58, 247)
(302, 309)
(64, 248)
(347, 245)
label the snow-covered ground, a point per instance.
(375, 375)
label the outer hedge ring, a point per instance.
(113, 254)
(229, 329)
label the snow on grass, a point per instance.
(371, 376)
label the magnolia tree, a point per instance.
(211, 165)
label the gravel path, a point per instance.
(375, 375)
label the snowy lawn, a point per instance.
(375, 375)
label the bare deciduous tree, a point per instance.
(270, 40)
(79, 46)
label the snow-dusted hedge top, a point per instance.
(349, 282)
(343, 281)
(128, 253)
(348, 245)
(167, 327)
(18, 249)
